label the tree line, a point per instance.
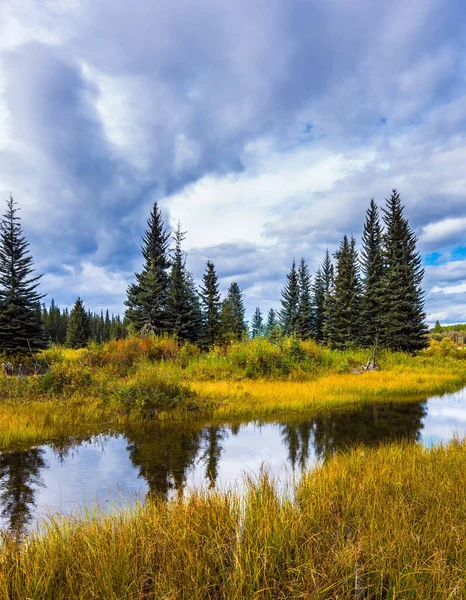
(354, 298)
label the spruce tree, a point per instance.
(324, 300)
(21, 327)
(272, 326)
(107, 327)
(257, 324)
(289, 314)
(345, 326)
(402, 302)
(372, 267)
(79, 332)
(182, 313)
(232, 317)
(211, 306)
(305, 311)
(318, 306)
(147, 298)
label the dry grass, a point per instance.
(388, 523)
(261, 397)
(157, 378)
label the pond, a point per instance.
(116, 468)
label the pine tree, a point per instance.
(211, 306)
(305, 311)
(147, 298)
(21, 327)
(232, 317)
(182, 312)
(78, 333)
(345, 327)
(437, 328)
(323, 300)
(273, 330)
(402, 301)
(289, 314)
(372, 266)
(318, 305)
(107, 327)
(257, 324)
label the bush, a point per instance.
(149, 393)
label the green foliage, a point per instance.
(372, 266)
(289, 314)
(78, 332)
(21, 328)
(257, 324)
(183, 317)
(402, 301)
(305, 309)
(233, 324)
(344, 330)
(149, 392)
(147, 298)
(272, 329)
(211, 306)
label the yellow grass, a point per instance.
(386, 523)
(261, 397)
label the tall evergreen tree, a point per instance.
(289, 314)
(305, 311)
(147, 298)
(211, 306)
(257, 324)
(182, 313)
(232, 317)
(402, 301)
(79, 331)
(345, 326)
(21, 327)
(323, 299)
(372, 267)
(318, 306)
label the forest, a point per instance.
(355, 299)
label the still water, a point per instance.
(114, 469)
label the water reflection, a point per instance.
(166, 459)
(20, 478)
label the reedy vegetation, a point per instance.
(384, 523)
(160, 378)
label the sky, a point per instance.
(264, 127)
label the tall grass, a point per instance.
(388, 523)
(159, 378)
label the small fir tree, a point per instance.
(21, 327)
(257, 324)
(79, 332)
(345, 327)
(272, 330)
(147, 298)
(232, 317)
(210, 306)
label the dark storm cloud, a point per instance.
(127, 103)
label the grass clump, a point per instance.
(385, 523)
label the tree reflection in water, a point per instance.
(164, 454)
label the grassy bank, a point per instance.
(382, 523)
(80, 391)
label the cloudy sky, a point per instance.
(265, 127)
